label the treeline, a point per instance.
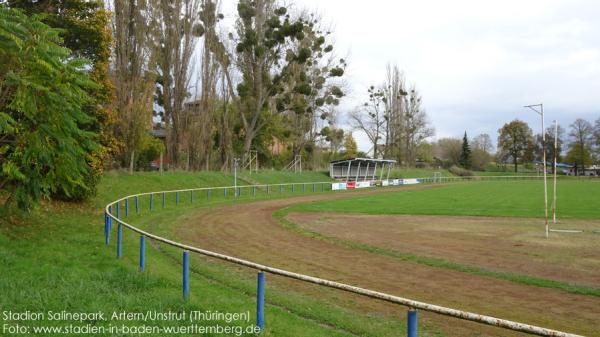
(268, 84)
(394, 120)
(518, 145)
(86, 86)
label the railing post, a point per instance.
(137, 204)
(126, 207)
(106, 229)
(303, 187)
(280, 188)
(109, 220)
(176, 198)
(117, 210)
(119, 241)
(293, 188)
(260, 301)
(150, 201)
(313, 188)
(186, 274)
(163, 200)
(253, 191)
(191, 196)
(322, 188)
(142, 252)
(208, 194)
(412, 323)
(225, 192)
(268, 189)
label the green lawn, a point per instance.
(55, 259)
(576, 200)
(276, 177)
(503, 173)
(416, 173)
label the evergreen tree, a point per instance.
(44, 142)
(465, 153)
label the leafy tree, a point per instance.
(85, 32)
(465, 153)
(425, 152)
(268, 62)
(580, 147)
(448, 150)
(515, 141)
(597, 138)
(150, 149)
(334, 136)
(549, 145)
(480, 159)
(350, 146)
(44, 144)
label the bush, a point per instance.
(150, 150)
(459, 171)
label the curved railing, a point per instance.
(112, 214)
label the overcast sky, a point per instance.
(476, 63)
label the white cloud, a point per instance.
(476, 63)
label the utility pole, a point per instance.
(541, 113)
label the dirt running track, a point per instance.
(249, 231)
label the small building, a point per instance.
(360, 169)
(589, 171)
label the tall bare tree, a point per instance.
(131, 72)
(177, 30)
(597, 138)
(311, 85)
(394, 90)
(580, 145)
(204, 115)
(370, 118)
(416, 126)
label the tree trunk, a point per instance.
(248, 142)
(131, 161)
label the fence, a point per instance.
(112, 213)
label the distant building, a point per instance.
(590, 171)
(360, 169)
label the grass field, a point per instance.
(485, 229)
(576, 200)
(55, 259)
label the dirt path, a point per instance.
(249, 231)
(514, 245)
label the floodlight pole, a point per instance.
(541, 113)
(555, 165)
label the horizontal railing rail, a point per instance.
(412, 304)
